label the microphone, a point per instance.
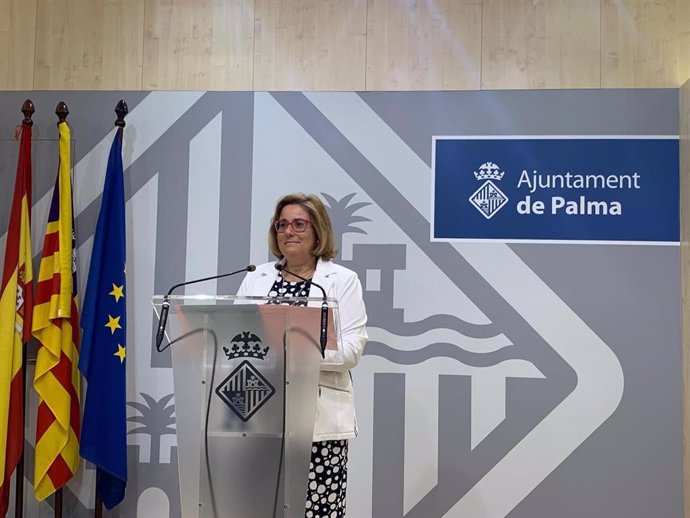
(163, 320)
(324, 306)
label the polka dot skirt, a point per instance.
(327, 480)
(328, 466)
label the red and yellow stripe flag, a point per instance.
(56, 327)
(15, 319)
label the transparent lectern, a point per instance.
(246, 381)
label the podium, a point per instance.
(246, 380)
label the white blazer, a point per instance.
(335, 408)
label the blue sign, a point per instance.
(565, 188)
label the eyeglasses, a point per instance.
(298, 225)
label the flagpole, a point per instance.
(58, 503)
(28, 110)
(62, 112)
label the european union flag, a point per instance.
(102, 359)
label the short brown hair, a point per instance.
(324, 245)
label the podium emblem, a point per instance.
(245, 391)
(245, 345)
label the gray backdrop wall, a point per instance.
(520, 380)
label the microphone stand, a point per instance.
(324, 307)
(165, 307)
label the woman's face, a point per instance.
(296, 246)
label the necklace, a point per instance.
(307, 273)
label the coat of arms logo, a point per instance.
(245, 390)
(488, 199)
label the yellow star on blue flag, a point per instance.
(117, 292)
(113, 324)
(121, 353)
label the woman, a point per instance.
(301, 237)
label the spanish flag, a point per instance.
(56, 327)
(16, 301)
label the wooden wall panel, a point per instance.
(310, 45)
(573, 44)
(513, 44)
(123, 44)
(640, 43)
(68, 45)
(683, 41)
(17, 33)
(540, 44)
(198, 44)
(420, 45)
(343, 44)
(88, 44)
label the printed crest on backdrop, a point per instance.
(488, 199)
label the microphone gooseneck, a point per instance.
(324, 306)
(165, 308)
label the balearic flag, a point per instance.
(104, 323)
(16, 303)
(56, 327)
